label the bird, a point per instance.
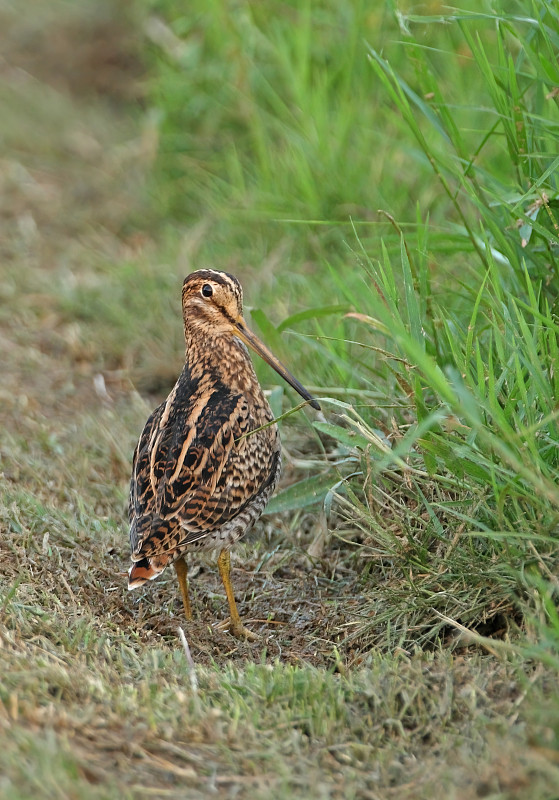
(209, 457)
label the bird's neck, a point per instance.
(224, 355)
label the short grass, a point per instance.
(404, 582)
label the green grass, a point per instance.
(404, 582)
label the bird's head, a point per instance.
(212, 306)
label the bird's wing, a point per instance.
(141, 501)
(194, 470)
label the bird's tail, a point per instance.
(146, 569)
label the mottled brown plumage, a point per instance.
(198, 480)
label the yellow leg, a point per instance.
(181, 570)
(236, 627)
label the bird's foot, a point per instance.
(236, 629)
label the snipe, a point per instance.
(200, 477)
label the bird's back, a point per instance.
(199, 474)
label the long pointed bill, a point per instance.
(250, 339)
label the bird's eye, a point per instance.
(207, 290)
